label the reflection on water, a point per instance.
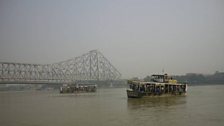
(156, 102)
(156, 110)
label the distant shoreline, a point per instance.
(204, 84)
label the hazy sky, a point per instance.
(139, 37)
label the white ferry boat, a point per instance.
(159, 86)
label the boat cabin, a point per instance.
(78, 88)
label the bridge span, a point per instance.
(91, 66)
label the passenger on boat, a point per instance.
(142, 89)
(158, 91)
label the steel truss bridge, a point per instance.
(92, 66)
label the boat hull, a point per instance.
(134, 94)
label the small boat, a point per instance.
(78, 88)
(159, 86)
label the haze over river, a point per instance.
(203, 106)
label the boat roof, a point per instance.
(153, 83)
(161, 75)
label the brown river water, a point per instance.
(203, 106)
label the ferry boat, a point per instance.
(160, 85)
(78, 88)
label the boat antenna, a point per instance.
(163, 70)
